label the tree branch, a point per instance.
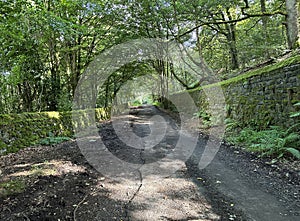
(231, 21)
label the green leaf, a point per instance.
(294, 152)
(280, 156)
(297, 114)
(293, 137)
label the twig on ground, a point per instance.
(81, 202)
(78, 205)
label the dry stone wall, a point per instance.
(259, 100)
(265, 99)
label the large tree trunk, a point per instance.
(292, 23)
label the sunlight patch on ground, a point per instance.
(53, 167)
(176, 199)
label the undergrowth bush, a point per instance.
(276, 141)
(53, 140)
(206, 118)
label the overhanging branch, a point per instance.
(248, 16)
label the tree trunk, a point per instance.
(265, 27)
(292, 24)
(231, 38)
(55, 78)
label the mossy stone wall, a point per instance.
(265, 99)
(259, 98)
(21, 130)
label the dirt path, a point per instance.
(59, 183)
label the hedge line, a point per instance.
(21, 130)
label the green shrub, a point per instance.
(206, 118)
(136, 103)
(52, 140)
(276, 142)
(231, 125)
